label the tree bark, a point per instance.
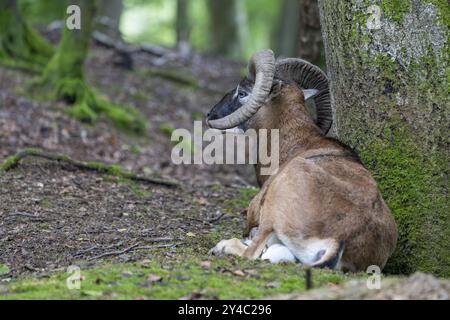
(64, 76)
(310, 44)
(110, 12)
(20, 45)
(389, 69)
(226, 19)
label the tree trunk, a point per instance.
(64, 76)
(310, 44)
(284, 39)
(226, 21)
(388, 68)
(20, 45)
(183, 26)
(110, 12)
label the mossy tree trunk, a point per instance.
(64, 76)
(20, 45)
(389, 72)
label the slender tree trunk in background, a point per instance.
(310, 44)
(183, 26)
(109, 13)
(226, 22)
(64, 76)
(389, 69)
(20, 45)
(285, 37)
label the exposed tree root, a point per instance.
(114, 170)
(87, 104)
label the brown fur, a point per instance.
(321, 191)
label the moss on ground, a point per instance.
(223, 278)
(242, 202)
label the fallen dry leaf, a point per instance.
(273, 285)
(205, 265)
(239, 273)
(145, 263)
(154, 278)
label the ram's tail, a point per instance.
(331, 257)
(315, 252)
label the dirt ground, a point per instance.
(52, 214)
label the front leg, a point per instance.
(232, 246)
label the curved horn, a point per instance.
(262, 65)
(309, 76)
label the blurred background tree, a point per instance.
(183, 26)
(285, 34)
(227, 21)
(109, 15)
(232, 28)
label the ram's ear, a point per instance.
(276, 88)
(310, 93)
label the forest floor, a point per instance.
(131, 239)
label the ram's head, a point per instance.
(264, 82)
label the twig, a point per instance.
(132, 248)
(169, 245)
(99, 167)
(27, 215)
(161, 239)
(81, 252)
(114, 253)
(217, 219)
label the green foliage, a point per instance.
(149, 22)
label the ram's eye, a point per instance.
(242, 94)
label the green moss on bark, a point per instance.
(390, 87)
(20, 45)
(395, 9)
